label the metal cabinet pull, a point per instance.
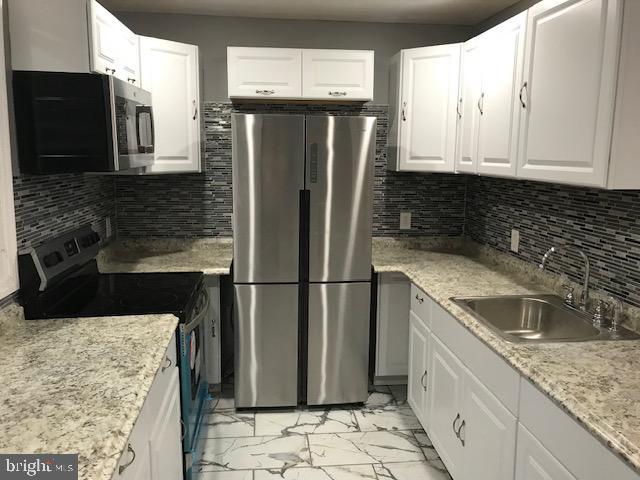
(112, 70)
(421, 300)
(195, 110)
(459, 108)
(167, 365)
(524, 85)
(122, 468)
(404, 111)
(338, 94)
(460, 431)
(265, 92)
(132, 80)
(481, 103)
(424, 387)
(453, 425)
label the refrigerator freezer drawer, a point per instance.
(266, 345)
(338, 343)
(268, 174)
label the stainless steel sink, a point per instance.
(538, 318)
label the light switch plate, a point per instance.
(405, 220)
(515, 240)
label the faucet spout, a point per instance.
(584, 298)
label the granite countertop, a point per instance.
(77, 385)
(209, 255)
(597, 383)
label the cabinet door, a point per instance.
(429, 98)
(170, 72)
(446, 379)
(129, 70)
(534, 462)
(419, 338)
(165, 445)
(393, 325)
(469, 104)
(568, 90)
(337, 74)
(264, 72)
(500, 102)
(489, 434)
(106, 40)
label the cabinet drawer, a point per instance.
(492, 371)
(579, 451)
(421, 305)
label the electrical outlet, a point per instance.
(405, 220)
(515, 240)
(107, 227)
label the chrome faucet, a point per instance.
(584, 298)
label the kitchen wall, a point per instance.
(605, 224)
(213, 35)
(49, 205)
(200, 204)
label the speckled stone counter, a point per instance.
(209, 255)
(597, 383)
(77, 385)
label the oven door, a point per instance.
(133, 125)
(193, 385)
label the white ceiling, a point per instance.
(454, 12)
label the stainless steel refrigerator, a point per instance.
(302, 226)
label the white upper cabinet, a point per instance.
(76, 36)
(337, 74)
(170, 71)
(500, 103)
(423, 106)
(568, 90)
(264, 72)
(8, 247)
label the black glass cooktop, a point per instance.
(111, 294)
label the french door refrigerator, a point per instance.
(302, 227)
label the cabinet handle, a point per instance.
(404, 111)
(195, 110)
(460, 431)
(424, 387)
(132, 80)
(166, 365)
(265, 92)
(112, 70)
(453, 425)
(481, 103)
(421, 300)
(122, 468)
(338, 94)
(459, 108)
(524, 86)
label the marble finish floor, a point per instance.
(380, 440)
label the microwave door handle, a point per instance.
(140, 109)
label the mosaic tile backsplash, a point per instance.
(200, 204)
(49, 205)
(605, 224)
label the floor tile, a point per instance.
(228, 423)
(344, 472)
(390, 417)
(399, 393)
(308, 421)
(409, 471)
(254, 453)
(379, 396)
(239, 475)
(364, 447)
(428, 449)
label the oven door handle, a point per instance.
(201, 315)
(140, 109)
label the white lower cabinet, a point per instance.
(534, 462)
(154, 447)
(419, 338)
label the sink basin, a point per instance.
(537, 318)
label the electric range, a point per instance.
(61, 279)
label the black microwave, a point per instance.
(81, 122)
